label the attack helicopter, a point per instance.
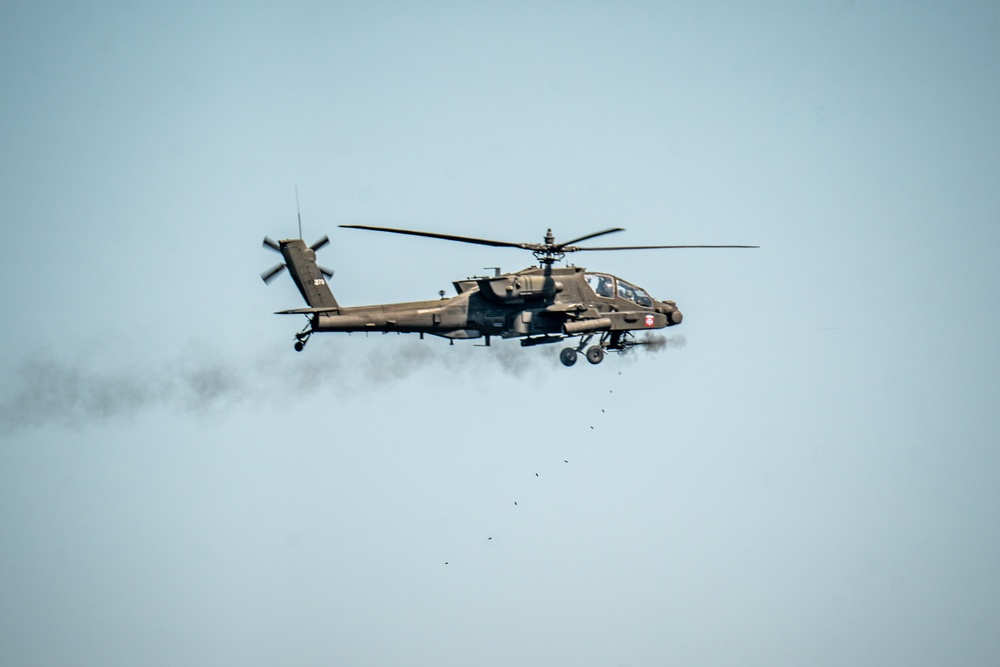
(544, 304)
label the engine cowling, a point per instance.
(518, 288)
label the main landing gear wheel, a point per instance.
(299, 345)
(567, 356)
(595, 354)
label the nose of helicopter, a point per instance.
(669, 308)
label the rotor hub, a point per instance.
(548, 256)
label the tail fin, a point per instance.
(309, 277)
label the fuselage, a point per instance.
(537, 301)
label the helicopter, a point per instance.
(540, 305)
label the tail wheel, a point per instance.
(595, 354)
(567, 356)
(302, 337)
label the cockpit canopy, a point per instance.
(601, 284)
(604, 286)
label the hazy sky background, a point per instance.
(807, 476)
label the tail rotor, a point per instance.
(274, 271)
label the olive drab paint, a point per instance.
(539, 305)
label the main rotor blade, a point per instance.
(319, 244)
(446, 237)
(272, 244)
(658, 247)
(269, 275)
(594, 235)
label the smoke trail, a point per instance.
(47, 391)
(54, 392)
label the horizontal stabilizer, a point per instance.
(309, 311)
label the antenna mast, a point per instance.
(298, 210)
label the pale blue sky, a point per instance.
(810, 479)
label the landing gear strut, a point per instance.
(302, 337)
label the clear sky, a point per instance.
(806, 475)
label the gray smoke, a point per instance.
(51, 392)
(43, 392)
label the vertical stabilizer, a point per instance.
(309, 277)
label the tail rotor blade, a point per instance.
(319, 244)
(272, 244)
(325, 271)
(270, 274)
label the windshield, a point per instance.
(634, 294)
